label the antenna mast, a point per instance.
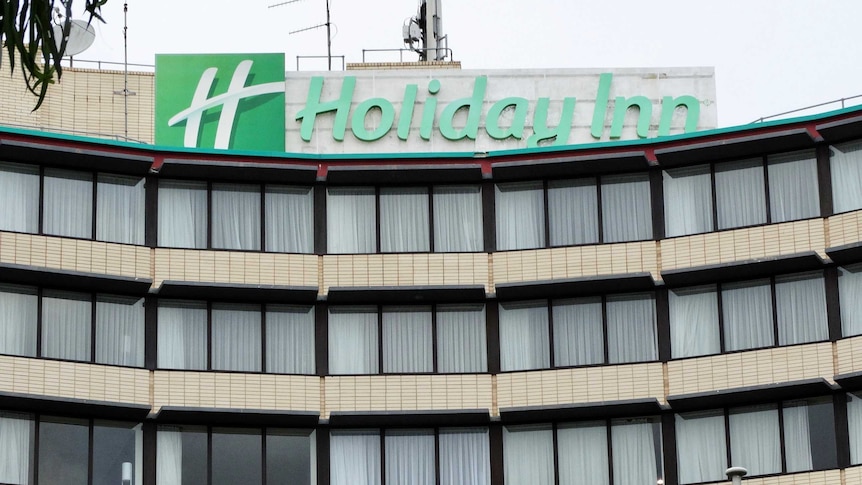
(328, 26)
(426, 30)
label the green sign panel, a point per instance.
(225, 101)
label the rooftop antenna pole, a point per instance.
(328, 26)
(125, 93)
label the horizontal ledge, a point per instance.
(591, 410)
(237, 417)
(840, 129)
(575, 165)
(744, 144)
(239, 171)
(237, 292)
(846, 254)
(850, 381)
(404, 174)
(406, 294)
(743, 270)
(70, 407)
(73, 280)
(750, 395)
(402, 419)
(592, 285)
(73, 156)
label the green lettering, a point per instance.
(560, 134)
(474, 113)
(314, 106)
(519, 118)
(387, 117)
(669, 105)
(429, 110)
(407, 111)
(601, 108)
(622, 107)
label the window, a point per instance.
(19, 197)
(694, 328)
(740, 193)
(120, 330)
(236, 337)
(850, 294)
(687, 200)
(182, 214)
(404, 222)
(846, 169)
(524, 336)
(573, 212)
(520, 215)
(626, 208)
(17, 431)
(120, 209)
(793, 188)
(351, 220)
(68, 203)
(289, 219)
(236, 216)
(457, 218)
(18, 320)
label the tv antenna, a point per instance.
(424, 32)
(328, 26)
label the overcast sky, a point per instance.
(769, 56)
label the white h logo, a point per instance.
(229, 102)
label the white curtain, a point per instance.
(353, 340)
(120, 209)
(687, 200)
(740, 193)
(801, 307)
(694, 321)
(461, 341)
(169, 456)
(701, 447)
(747, 311)
(66, 325)
(797, 437)
(354, 458)
(404, 220)
(182, 340)
(18, 315)
(465, 456)
(528, 455)
(182, 214)
(520, 215)
(351, 220)
(583, 453)
(578, 332)
(524, 336)
(289, 221)
(410, 457)
(16, 438)
(637, 451)
(573, 212)
(120, 330)
(850, 294)
(19, 197)
(407, 340)
(793, 186)
(458, 219)
(846, 169)
(236, 216)
(632, 328)
(236, 338)
(626, 208)
(68, 207)
(854, 423)
(289, 339)
(754, 439)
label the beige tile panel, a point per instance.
(827, 477)
(408, 392)
(72, 380)
(75, 255)
(849, 353)
(853, 475)
(236, 391)
(252, 268)
(581, 385)
(744, 244)
(845, 228)
(743, 369)
(426, 269)
(575, 262)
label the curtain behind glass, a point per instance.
(854, 423)
(16, 443)
(169, 456)
(524, 336)
(583, 452)
(66, 325)
(701, 447)
(407, 340)
(351, 220)
(846, 169)
(754, 439)
(528, 455)
(797, 437)
(120, 209)
(793, 187)
(694, 321)
(632, 328)
(687, 200)
(850, 293)
(801, 307)
(747, 311)
(458, 218)
(182, 341)
(461, 342)
(19, 197)
(636, 451)
(465, 456)
(520, 215)
(573, 212)
(410, 457)
(182, 214)
(68, 208)
(18, 315)
(353, 340)
(354, 458)
(404, 220)
(289, 219)
(236, 216)
(626, 208)
(578, 332)
(740, 193)
(289, 339)
(120, 330)
(236, 337)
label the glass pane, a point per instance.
(181, 455)
(68, 209)
(520, 215)
(626, 208)
(461, 341)
(850, 294)
(19, 197)
(355, 458)
(290, 339)
(17, 431)
(528, 455)
(578, 332)
(351, 220)
(182, 214)
(237, 456)
(120, 330)
(854, 419)
(694, 321)
(754, 439)
(66, 325)
(793, 188)
(846, 170)
(583, 449)
(801, 308)
(236, 216)
(289, 457)
(18, 314)
(120, 209)
(64, 446)
(701, 447)
(353, 340)
(113, 445)
(236, 338)
(407, 340)
(632, 335)
(573, 212)
(740, 193)
(809, 435)
(410, 458)
(687, 200)
(524, 336)
(289, 219)
(458, 219)
(404, 221)
(465, 456)
(182, 335)
(747, 311)
(637, 452)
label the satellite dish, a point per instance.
(81, 36)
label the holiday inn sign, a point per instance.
(246, 102)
